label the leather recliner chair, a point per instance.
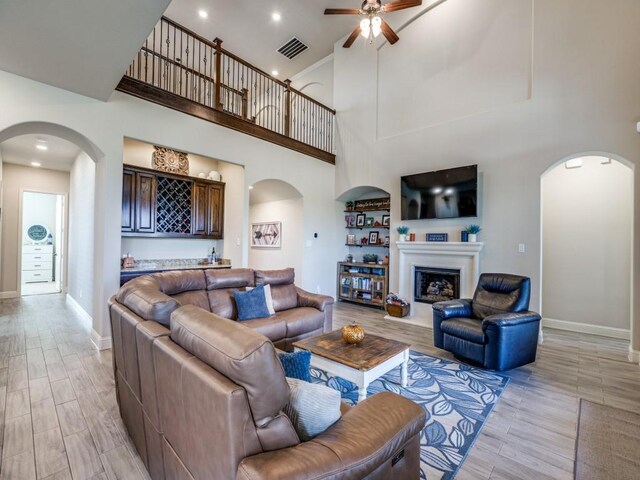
(496, 329)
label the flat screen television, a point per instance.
(450, 193)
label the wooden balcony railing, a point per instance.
(179, 69)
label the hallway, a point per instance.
(57, 401)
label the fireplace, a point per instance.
(436, 284)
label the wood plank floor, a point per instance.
(58, 414)
(59, 419)
(532, 430)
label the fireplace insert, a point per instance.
(436, 284)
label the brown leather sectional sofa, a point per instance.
(202, 399)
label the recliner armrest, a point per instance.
(454, 308)
(509, 319)
(366, 436)
(308, 299)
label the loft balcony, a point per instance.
(179, 69)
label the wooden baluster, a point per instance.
(287, 109)
(218, 44)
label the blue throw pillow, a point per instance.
(297, 364)
(251, 304)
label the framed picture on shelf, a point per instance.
(387, 241)
(350, 221)
(373, 238)
(386, 220)
(360, 218)
(351, 239)
(368, 222)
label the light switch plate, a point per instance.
(521, 248)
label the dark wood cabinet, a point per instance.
(128, 200)
(208, 209)
(138, 202)
(159, 204)
(145, 203)
(200, 220)
(216, 211)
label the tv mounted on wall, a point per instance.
(450, 193)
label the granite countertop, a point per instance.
(178, 264)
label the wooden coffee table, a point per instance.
(360, 364)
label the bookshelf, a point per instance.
(363, 283)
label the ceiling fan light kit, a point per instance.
(373, 24)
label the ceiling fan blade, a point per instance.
(400, 5)
(352, 37)
(388, 32)
(342, 11)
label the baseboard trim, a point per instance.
(4, 295)
(634, 355)
(73, 303)
(101, 343)
(611, 332)
(411, 320)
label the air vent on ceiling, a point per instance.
(292, 48)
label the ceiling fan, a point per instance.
(373, 24)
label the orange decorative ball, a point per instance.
(353, 333)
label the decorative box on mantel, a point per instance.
(462, 256)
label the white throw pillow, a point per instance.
(312, 408)
(267, 298)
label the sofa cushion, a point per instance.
(178, 281)
(286, 276)
(301, 320)
(466, 328)
(271, 327)
(229, 278)
(197, 298)
(242, 355)
(312, 408)
(284, 297)
(296, 364)
(221, 302)
(251, 304)
(142, 295)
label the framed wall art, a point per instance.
(266, 235)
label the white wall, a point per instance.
(317, 81)
(101, 128)
(80, 276)
(289, 212)
(38, 209)
(17, 178)
(582, 97)
(587, 215)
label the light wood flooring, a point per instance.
(58, 414)
(530, 434)
(59, 419)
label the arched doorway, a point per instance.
(276, 221)
(587, 248)
(84, 268)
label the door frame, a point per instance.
(65, 241)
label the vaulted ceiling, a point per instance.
(84, 46)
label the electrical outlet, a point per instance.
(238, 241)
(521, 248)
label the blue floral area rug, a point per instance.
(457, 398)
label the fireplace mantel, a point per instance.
(464, 256)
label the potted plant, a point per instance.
(369, 258)
(402, 232)
(349, 205)
(473, 231)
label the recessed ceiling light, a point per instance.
(42, 147)
(276, 16)
(203, 14)
(35, 164)
(250, 187)
(274, 73)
